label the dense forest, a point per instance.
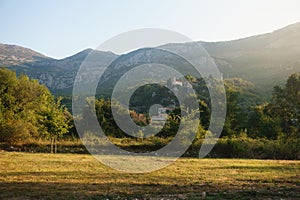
(255, 127)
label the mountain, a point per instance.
(16, 55)
(265, 60)
(59, 75)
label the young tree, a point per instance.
(55, 122)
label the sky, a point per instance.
(60, 28)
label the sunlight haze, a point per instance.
(62, 28)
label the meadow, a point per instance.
(81, 176)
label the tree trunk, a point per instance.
(51, 145)
(55, 144)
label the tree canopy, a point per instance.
(28, 110)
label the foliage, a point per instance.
(28, 110)
(280, 117)
(265, 130)
(286, 106)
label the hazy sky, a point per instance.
(61, 28)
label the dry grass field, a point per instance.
(74, 176)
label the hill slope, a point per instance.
(266, 59)
(59, 75)
(16, 55)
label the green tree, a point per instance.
(232, 120)
(28, 110)
(55, 122)
(286, 105)
(280, 117)
(104, 116)
(262, 123)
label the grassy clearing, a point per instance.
(73, 176)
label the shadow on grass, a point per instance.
(258, 168)
(115, 190)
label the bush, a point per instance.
(14, 132)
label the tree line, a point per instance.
(29, 111)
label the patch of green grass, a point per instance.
(73, 176)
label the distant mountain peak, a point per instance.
(84, 53)
(80, 55)
(15, 55)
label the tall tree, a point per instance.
(286, 105)
(27, 109)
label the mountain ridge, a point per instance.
(11, 54)
(266, 59)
